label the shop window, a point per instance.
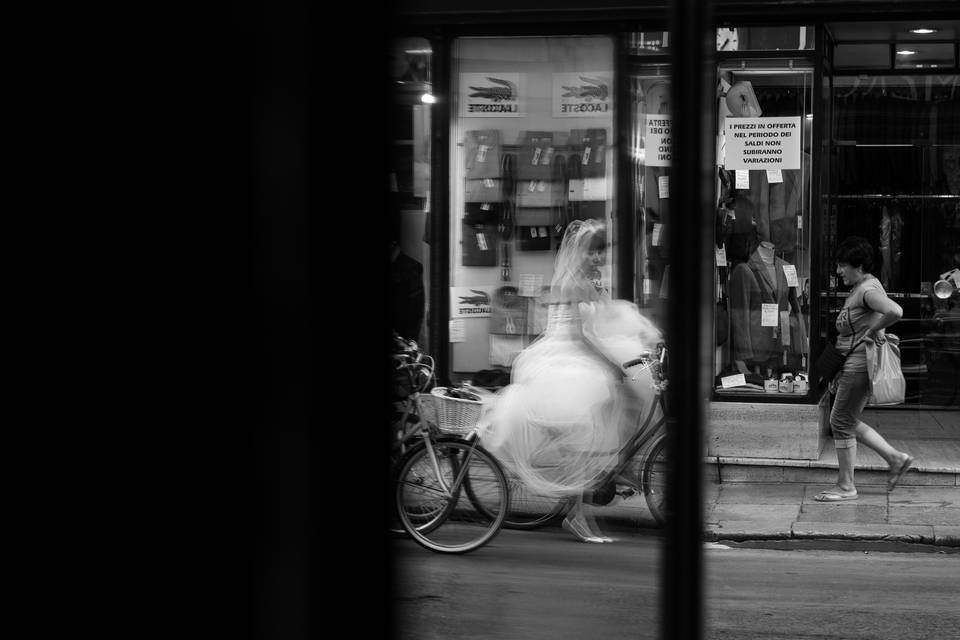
(532, 133)
(764, 170)
(896, 182)
(790, 38)
(409, 183)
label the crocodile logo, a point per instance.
(482, 298)
(504, 92)
(593, 88)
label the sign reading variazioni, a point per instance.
(762, 143)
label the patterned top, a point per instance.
(855, 314)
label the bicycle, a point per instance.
(450, 493)
(641, 467)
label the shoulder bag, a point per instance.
(831, 359)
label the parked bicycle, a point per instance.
(450, 494)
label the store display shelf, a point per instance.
(894, 196)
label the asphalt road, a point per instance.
(531, 585)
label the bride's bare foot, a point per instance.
(580, 530)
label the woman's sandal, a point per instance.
(896, 475)
(834, 496)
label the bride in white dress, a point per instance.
(560, 422)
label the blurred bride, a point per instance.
(559, 424)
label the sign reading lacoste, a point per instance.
(490, 95)
(582, 94)
(471, 302)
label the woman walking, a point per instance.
(866, 312)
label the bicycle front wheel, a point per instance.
(436, 511)
(654, 480)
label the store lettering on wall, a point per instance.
(582, 94)
(471, 302)
(657, 141)
(762, 143)
(490, 95)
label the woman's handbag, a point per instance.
(887, 383)
(831, 359)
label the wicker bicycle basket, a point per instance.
(456, 416)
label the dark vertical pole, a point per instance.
(439, 209)
(624, 214)
(689, 241)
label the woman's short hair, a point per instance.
(856, 252)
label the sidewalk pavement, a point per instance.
(781, 511)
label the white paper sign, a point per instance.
(657, 233)
(530, 284)
(799, 222)
(762, 143)
(736, 380)
(770, 315)
(663, 184)
(774, 176)
(790, 271)
(471, 302)
(490, 95)
(722, 256)
(657, 141)
(457, 333)
(587, 94)
(742, 179)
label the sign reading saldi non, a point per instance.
(657, 141)
(762, 143)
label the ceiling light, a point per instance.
(923, 31)
(906, 52)
(428, 98)
(418, 52)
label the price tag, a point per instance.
(743, 179)
(482, 153)
(533, 232)
(736, 380)
(542, 232)
(457, 333)
(541, 186)
(647, 287)
(722, 256)
(532, 186)
(530, 284)
(482, 242)
(774, 176)
(485, 206)
(547, 156)
(799, 222)
(586, 156)
(663, 184)
(769, 315)
(790, 271)
(657, 233)
(489, 183)
(536, 155)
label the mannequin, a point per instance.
(761, 280)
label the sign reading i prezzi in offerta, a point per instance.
(583, 94)
(762, 143)
(657, 141)
(490, 95)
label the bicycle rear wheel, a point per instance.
(443, 519)
(528, 509)
(654, 480)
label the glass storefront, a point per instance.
(531, 149)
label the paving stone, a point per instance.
(863, 531)
(948, 536)
(867, 495)
(767, 529)
(749, 512)
(749, 493)
(751, 473)
(923, 515)
(925, 496)
(843, 512)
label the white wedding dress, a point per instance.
(559, 423)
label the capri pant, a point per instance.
(853, 391)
